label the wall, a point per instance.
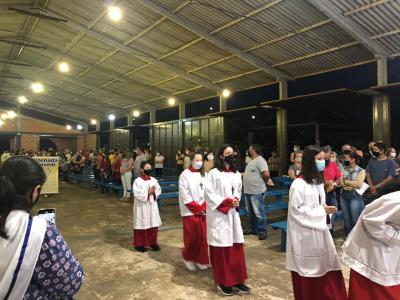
(29, 142)
(90, 141)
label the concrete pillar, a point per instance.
(381, 119)
(129, 119)
(317, 135)
(112, 124)
(19, 128)
(222, 104)
(282, 130)
(153, 116)
(182, 110)
(98, 126)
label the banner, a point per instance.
(50, 166)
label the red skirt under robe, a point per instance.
(229, 265)
(195, 239)
(328, 287)
(361, 288)
(145, 237)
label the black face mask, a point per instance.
(230, 159)
(346, 163)
(376, 153)
(147, 172)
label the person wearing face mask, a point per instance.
(186, 160)
(159, 164)
(311, 255)
(146, 217)
(332, 177)
(224, 229)
(193, 211)
(27, 243)
(296, 149)
(392, 154)
(295, 169)
(209, 162)
(351, 202)
(380, 173)
(369, 155)
(255, 177)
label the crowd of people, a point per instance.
(211, 185)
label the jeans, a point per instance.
(255, 205)
(331, 199)
(352, 207)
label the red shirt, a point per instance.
(331, 172)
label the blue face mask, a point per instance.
(320, 164)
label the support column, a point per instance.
(19, 129)
(282, 130)
(98, 126)
(151, 131)
(182, 110)
(129, 119)
(317, 135)
(381, 119)
(222, 104)
(152, 116)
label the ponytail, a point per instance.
(8, 196)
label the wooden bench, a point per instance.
(282, 226)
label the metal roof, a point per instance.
(186, 49)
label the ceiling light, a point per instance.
(226, 93)
(93, 122)
(211, 108)
(4, 116)
(22, 99)
(111, 117)
(63, 67)
(136, 113)
(115, 13)
(79, 127)
(37, 87)
(253, 117)
(69, 127)
(11, 114)
(171, 101)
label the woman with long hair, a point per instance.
(224, 229)
(193, 211)
(37, 261)
(310, 252)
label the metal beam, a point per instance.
(349, 26)
(120, 46)
(282, 130)
(186, 23)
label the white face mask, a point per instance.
(210, 157)
(393, 154)
(197, 165)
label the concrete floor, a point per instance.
(98, 229)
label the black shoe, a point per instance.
(241, 289)
(155, 248)
(262, 236)
(248, 232)
(140, 249)
(225, 291)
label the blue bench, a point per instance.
(169, 188)
(279, 204)
(282, 226)
(165, 196)
(111, 185)
(166, 178)
(168, 182)
(282, 182)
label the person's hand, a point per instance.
(235, 203)
(152, 190)
(330, 209)
(373, 190)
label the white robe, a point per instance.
(145, 208)
(223, 230)
(310, 250)
(10, 250)
(191, 188)
(372, 249)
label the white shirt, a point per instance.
(145, 209)
(310, 250)
(223, 229)
(373, 247)
(159, 161)
(191, 188)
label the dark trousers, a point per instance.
(159, 172)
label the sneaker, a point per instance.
(262, 236)
(155, 248)
(140, 249)
(122, 199)
(224, 290)
(201, 267)
(241, 289)
(191, 266)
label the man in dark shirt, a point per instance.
(380, 171)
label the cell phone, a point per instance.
(48, 214)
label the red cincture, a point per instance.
(145, 177)
(193, 169)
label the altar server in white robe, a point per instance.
(146, 217)
(372, 251)
(310, 252)
(193, 211)
(224, 230)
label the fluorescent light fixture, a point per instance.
(115, 13)
(37, 87)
